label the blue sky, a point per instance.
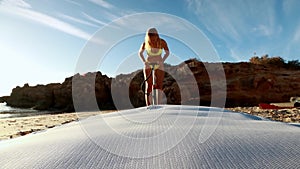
(41, 40)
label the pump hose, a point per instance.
(147, 78)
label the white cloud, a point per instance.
(263, 30)
(233, 20)
(216, 17)
(102, 3)
(46, 20)
(73, 2)
(242, 26)
(93, 19)
(15, 3)
(291, 7)
(78, 20)
(112, 15)
(296, 36)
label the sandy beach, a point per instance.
(287, 115)
(16, 127)
(20, 126)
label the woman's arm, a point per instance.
(141, 52)
(166, 49)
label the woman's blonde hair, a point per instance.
(148, 43)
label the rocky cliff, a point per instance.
(58, 96)
(246, 84)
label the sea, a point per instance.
(11, 112)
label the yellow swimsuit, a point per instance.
(150, 53)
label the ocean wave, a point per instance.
(11, 112)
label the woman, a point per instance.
(154, 46)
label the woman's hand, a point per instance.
(146, 64)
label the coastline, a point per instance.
(19, 126)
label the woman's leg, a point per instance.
(159, 73)
(148, 86)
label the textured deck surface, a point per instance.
(165, 137)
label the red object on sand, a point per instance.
(270, 106)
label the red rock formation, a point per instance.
(191, 82)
